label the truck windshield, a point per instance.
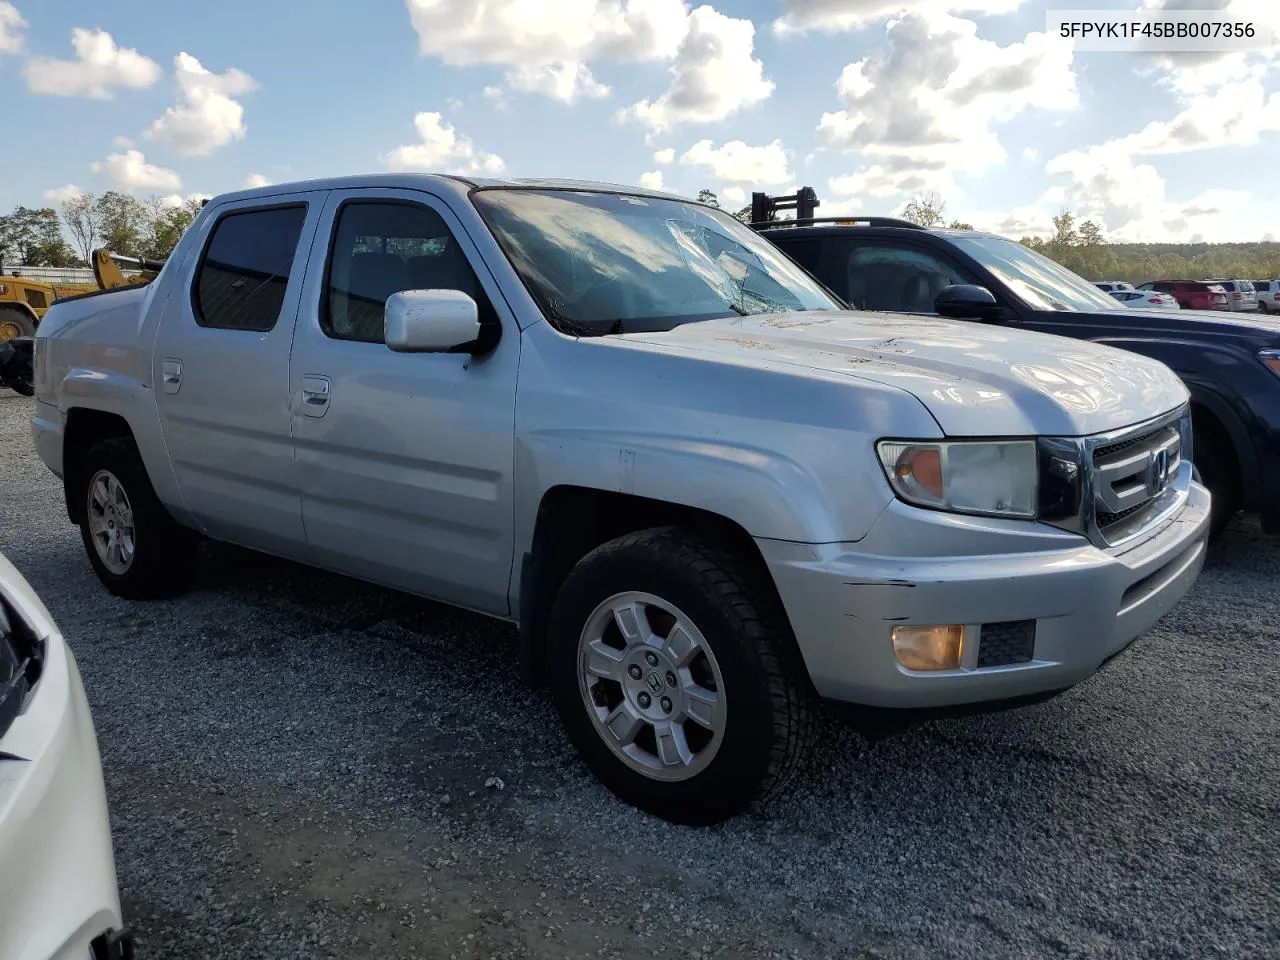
(600, 263)
(1041, 282)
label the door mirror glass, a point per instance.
(965, 301)
(430, 321)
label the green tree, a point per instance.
(33, 236)
(959, 225)
(123, 222)
(166, 227)
(926, 209)
(80, 216)
(707, 197)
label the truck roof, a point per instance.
(850, 226)
(459, 185)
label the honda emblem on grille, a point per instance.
(1158, 477)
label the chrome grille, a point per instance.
(1130, 476)
(1117, 487)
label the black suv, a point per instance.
(1230, 364)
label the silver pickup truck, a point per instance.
(706, 492)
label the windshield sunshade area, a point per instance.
(1043, 284)
(600, 263)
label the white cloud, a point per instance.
(1234, 114)
(565, 81)
(1030, 153)
(666, 155)
(130, 171)
(177, 200)
(927, 108)
(1130, 199)
(11, 27)
(60, 195)
(713, 75)
(836, 15)
(736, 162)
(255, 180)
(208, 116)
(518, 33)
(124, 143)
(651, 180)
(1190, 73)
(453, 103)
(735, 195)
(99, 67)
(441, 149)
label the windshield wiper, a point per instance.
(571, 326)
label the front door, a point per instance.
(405, 459)
(221, 373)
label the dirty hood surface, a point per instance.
(976, 379)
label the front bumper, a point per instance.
(924, 567)
(58, 893)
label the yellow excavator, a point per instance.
(24, 301)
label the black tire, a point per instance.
(1220, 472)
(15, 322)
(769, 699)
(163, 551)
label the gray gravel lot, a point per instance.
(296, 765)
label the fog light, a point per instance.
(928, 648)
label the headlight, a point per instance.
(989, 478)
(1271, 358)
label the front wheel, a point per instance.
(1219, 472)
(136, 548)
(680, 686)
(15, 323)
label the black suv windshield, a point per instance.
(601, 263)
(1043, 284)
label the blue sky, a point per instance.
(868, 101)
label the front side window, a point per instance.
(602, 263)
(381, 248)
(1042, 283)
(244, 273)
(897, 278)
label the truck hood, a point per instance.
(975, 379)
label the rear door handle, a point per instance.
(171, 375)
(315, 395)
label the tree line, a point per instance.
(38, 236)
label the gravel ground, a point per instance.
(297, 766)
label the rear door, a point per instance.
(406, 459)
(221, 366)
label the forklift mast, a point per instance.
(764, 208)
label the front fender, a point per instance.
(768, 494)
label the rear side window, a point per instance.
(1162, 287)
(381, 248)
(1262, 285)
(897, 278)
(241, 281)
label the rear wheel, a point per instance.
(678, 683)
(136, 548)
(1220, 472)
(15, 322)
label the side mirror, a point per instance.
(430, 321)
(965, 301)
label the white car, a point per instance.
(1268, 294)
(1146, 299)
(1241, 296)
(1112, 286)
(58, 893)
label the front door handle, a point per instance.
(171, 375)
(315, 395)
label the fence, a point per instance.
(49, 274)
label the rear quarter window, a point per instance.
(244, 271)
